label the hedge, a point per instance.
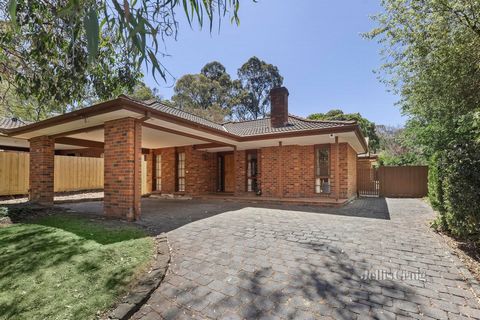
(454, 190)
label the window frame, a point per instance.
(327, 147)
(247, 173)
(177, 176)
(158, 172)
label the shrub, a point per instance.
(435, 190)
(461, 187)
(435, 186)
(454, 190)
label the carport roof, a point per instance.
(10, 123)
(234, 131)
(249, 127)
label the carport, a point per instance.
(123, 128)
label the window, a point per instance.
(252, 171)
(322, 169)
(181, 172)
(158, 172)
(220, 173)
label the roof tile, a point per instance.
(249, 127)
(10, 123)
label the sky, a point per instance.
(316, 44)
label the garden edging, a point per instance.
(147, 284)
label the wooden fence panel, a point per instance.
(403, 182)
(14, 168)
(71, 173)
(78, 173)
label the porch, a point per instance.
(158, 149)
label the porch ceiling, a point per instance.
(22, 143)
(151, 138)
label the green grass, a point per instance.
(68, 267)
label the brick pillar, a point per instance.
(337, 169)
(42, 159)
(123, 170)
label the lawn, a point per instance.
(68, 267)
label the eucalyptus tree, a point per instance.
(58, 52)
(431, 52)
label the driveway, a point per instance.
(271, 263)
(373, 258)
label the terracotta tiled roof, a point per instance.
(182, 114)
(249, 127)
(295, 123)
(10, 123)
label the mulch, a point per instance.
(467, 251)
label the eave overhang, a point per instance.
(143, 113)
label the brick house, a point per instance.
(283, 157)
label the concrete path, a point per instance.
(260, 263)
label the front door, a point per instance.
(229, 173)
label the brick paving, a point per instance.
(369, 261)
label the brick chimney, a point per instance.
(279, 104)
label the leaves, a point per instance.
(92, 33)
(214, 95)
(64, 54)
(12, 11)
(431, 53)
(368, 128)
(258, 78)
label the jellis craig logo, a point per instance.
(396, 275)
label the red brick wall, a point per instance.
(348, 171)
(42, 159)
(123, 155)
(240, 171)
(270, 168)
(287, 171)
(352, 172)
(199, 171)
(168, 169)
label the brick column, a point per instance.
(337, 169)
(42, 159)
(123, 170)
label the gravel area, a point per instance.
(64, 197)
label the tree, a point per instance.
(208, 94)
(143, 92)
(59, 52)
(394, 150)
(367, 127)
(13, 106)
(431, 50)
(257, 78)
(213, 94)
(215, 71)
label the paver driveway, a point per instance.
(271, 263)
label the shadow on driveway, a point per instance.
(164, 215)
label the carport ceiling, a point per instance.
(151, 138)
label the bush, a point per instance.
(454, 189)
(435, 190)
